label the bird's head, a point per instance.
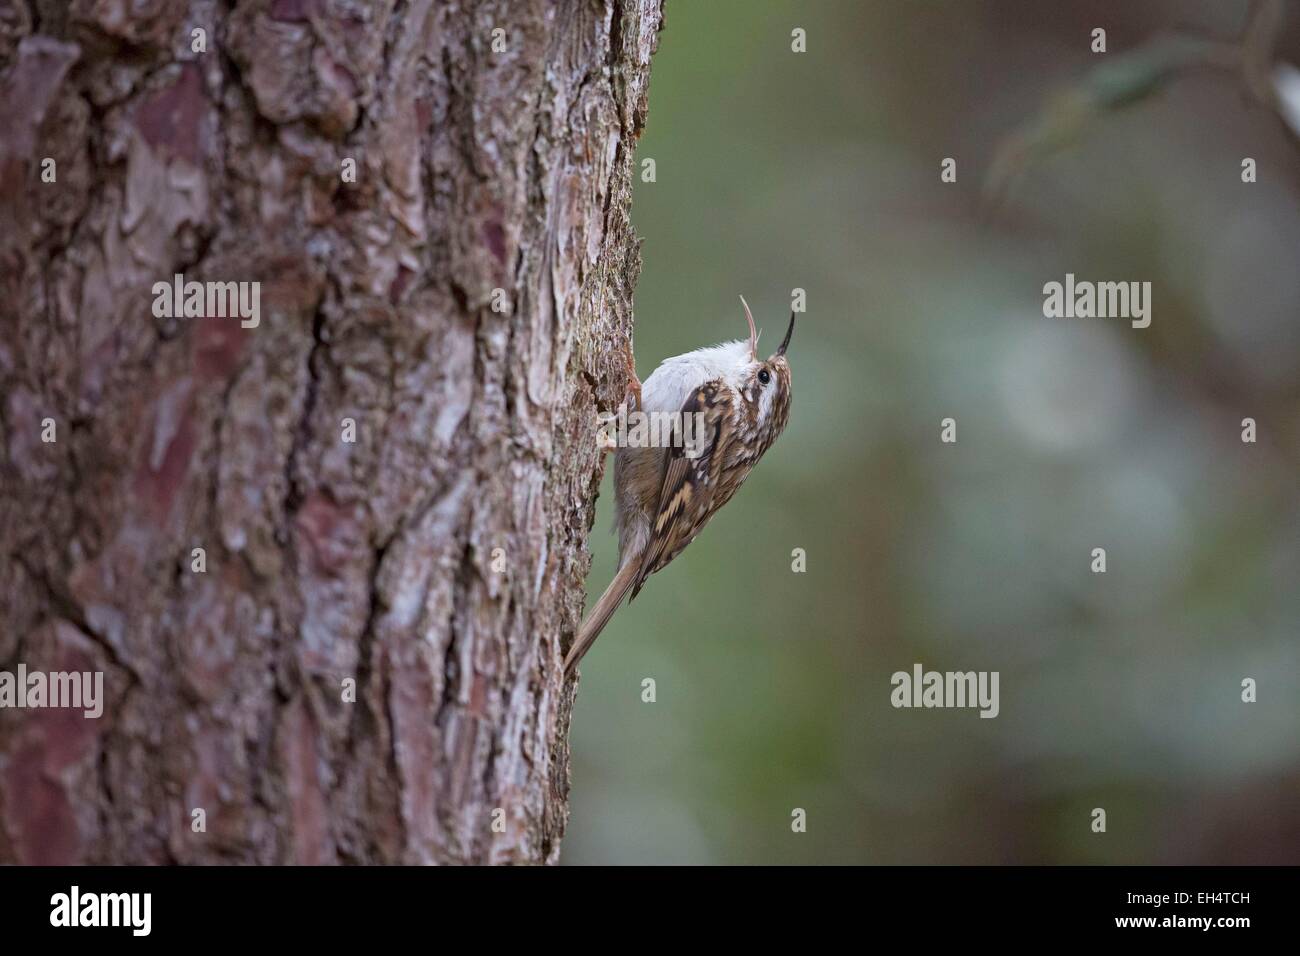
(765, 384)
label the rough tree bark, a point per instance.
(478, 169)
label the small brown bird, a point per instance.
(666, 495)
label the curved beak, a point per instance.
(788, 332)
(753, 332)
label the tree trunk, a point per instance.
(392, 476)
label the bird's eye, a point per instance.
(764, 376)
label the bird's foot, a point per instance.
(633, 398)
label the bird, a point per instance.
(664, 496)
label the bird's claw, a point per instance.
(633, 398)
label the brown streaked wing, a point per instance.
(685, 497)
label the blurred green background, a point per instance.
(777, 170)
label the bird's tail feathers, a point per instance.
(601, 613)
